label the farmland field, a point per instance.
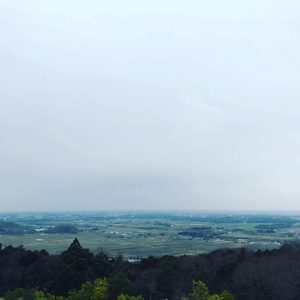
(133, 247)
(133, 235)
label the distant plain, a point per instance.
(151, 235)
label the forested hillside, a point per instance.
(245, 274)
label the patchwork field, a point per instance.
(136, 235)
(133, 247)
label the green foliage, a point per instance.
(20, 294)
(119, 284)
(39, 295)
(200, 292)
(214, 297)
(13, 295)
(226, 296)
(91, 291)
(195, 276)
(99, 290)
(126, 297)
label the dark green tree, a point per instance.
(119, 284)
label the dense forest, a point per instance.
(246, 274)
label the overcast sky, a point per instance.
(159, 104)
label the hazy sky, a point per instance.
(149, 105)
